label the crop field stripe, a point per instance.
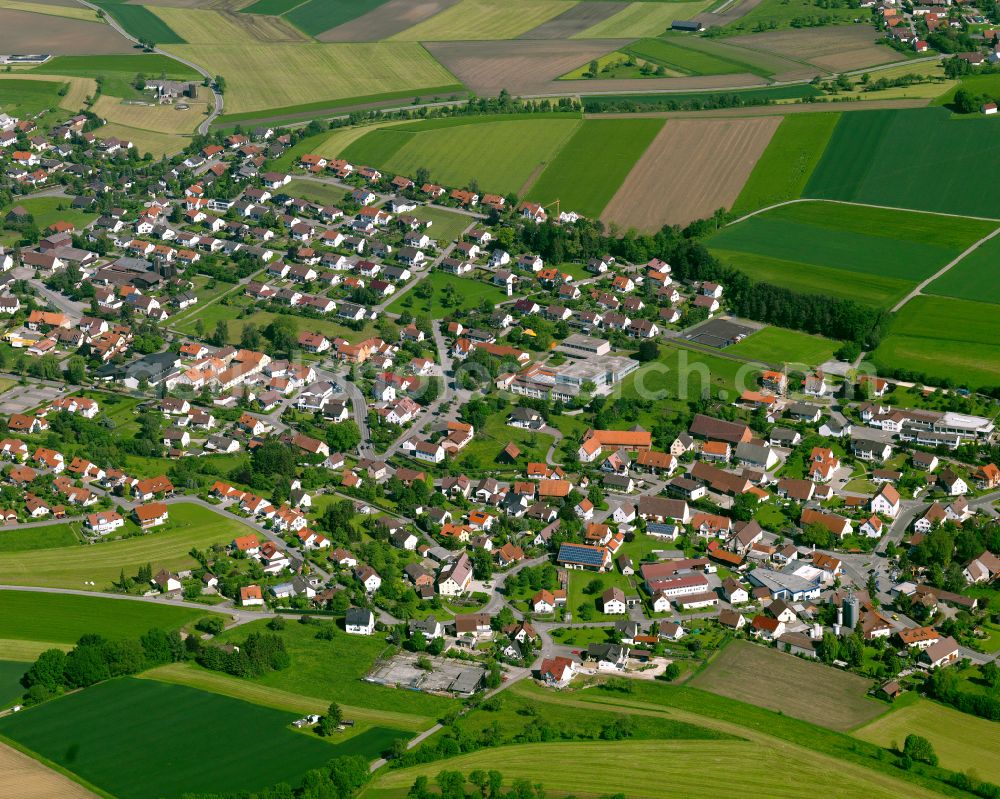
(694, 62)
(591, 166)
(316, 16)
(36, 777)
(272, 7)
(642, 19)
(788, 162)
(487, 20)
(976, 277)
(71, 12)
(850, 154)
(140, 22)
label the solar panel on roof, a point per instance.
(578, 553)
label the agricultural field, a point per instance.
(692, 168)
(502, 156)
(944, 339)
(157, 118)
(271, 7)
(977, 84)
(830, 48)
(10, 680)
(35, 781)
(166, 547)
(23, 97)
(471, 20)
(198, 26)
(962, 742)
(579, 18)
(775, 345)
(641, 19)
(316, 16)
(779, 14)
(30, 32)
(784, 683)
(29, 538)
(117, 72)
(464, 292)
(383, 19)
(975, 277)
(52, 9)
(77, 89)
(139, 21)
(596, 103)
(49, 210)
(591, 167)
(872, 255)
(63, 618)
(92, 733)
(307, 76)
(861, 162)
(784, 168)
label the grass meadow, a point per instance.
(675, 54)
(868, 254)
(316, 16)
(165, 547)
(976, 277)
(63, 618)
(140, 21)
(10, 681)
(502, 156)
(780, 345)
(588, 170)
(639, 19)
(469, 293)
(785, 167)
(862, 163)
(49, 210)
(27, 539)
(962, 742)
(23, 97)
(93, 734)
(944, 338)
(117, 71)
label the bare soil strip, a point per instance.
(835, 48)
(692, 168)
(386, 20)
(27, 32)
(25, 778)
(576, 20)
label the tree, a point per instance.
(918, 748)
(648, 351)
(331, 720)
(283, 333)
(46, 671)
(221, 335)
(76, 370)
(220, 84)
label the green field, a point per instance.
(684, 374)
(63, 618)
(778, 14)
(502, 156)
(962, 742)
(10, 680)
(944, 339)
(674, 53)
(271, 7)
(315, 192)
(49, 210)
(469, 293)
(482, 451)
(785, 167)
(775, 345)
(139, 21)
(862, 162)
(316, 16)
(869, 254)
(117, 71)
(26, 98)
(592, 165)
(470, 20)
(988, 84)
(666, 101)
(445, 225)
(29, 538)
(642, 19)
(93, 733)
(166, 547)
(975, 277)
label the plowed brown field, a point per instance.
(692, 168)
(25, 778)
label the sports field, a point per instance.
(93, 733)
(166, 548)
(771, 679)
(962, 742)
(785, 167)
(975, 277)
(845, 250)
(642, 19)
(587, 172)
(501, 155)
(63, 618)
(262, 76)
(862, 163)
(944, 338)
(472, 20)
(775, 345)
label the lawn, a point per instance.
(975, 277)
(287, 77)
(784, 683)
(446, 225)
(862, 163)
(685, 374)
(988, 84)
(587, 172)
(481, 453)
(944, 339)
(10, 680)
(777, 345)
(165, 548)
(471, 20)
(578, 596)
(49, 210)
(783, 170)
(30, 538)
(871, 254)
(93, 733)
(962, 742)
(468, 293)
(325, 193)
(501, 155)
(63, 618)
(349, 657)
(642, 19)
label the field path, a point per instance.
(918, 289)
(745, 217)
(217, 111)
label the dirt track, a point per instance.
(691, 169)
(25, 778)
(26, 32)
(386, 20)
